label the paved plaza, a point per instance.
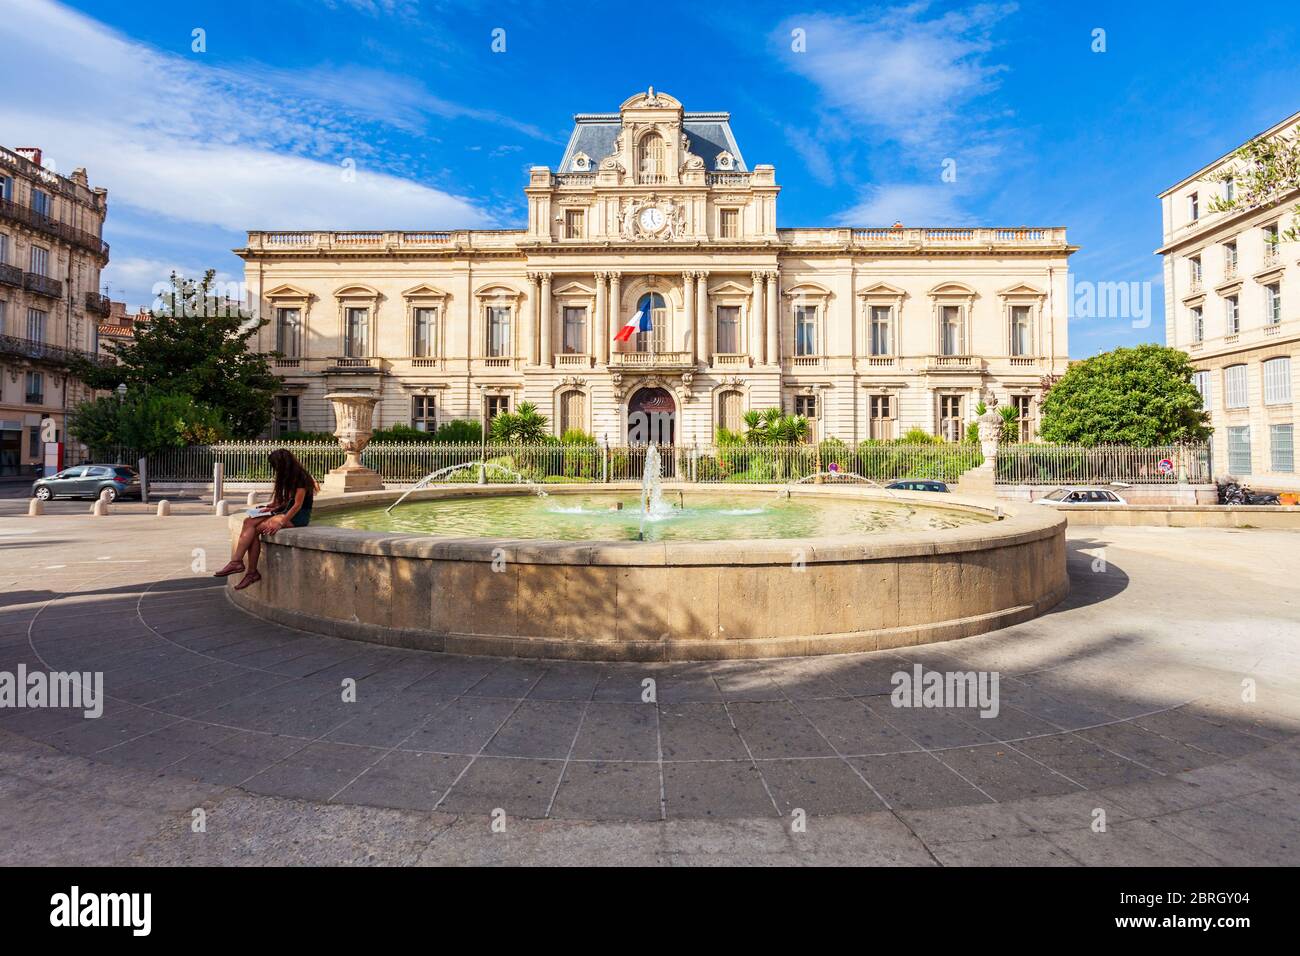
(1125, 705)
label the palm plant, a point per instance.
(771, 427)
(521, 427)
(1010, 429)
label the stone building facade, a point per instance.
(1232, 302)
(51, 256)
(869, 332)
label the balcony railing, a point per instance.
(11, 275)
(575, 179)
(45, 353)
(651, 360)
(952, 363)
(356, 365)
(805, 361)
(374, 241)
(35, 398)
(727, 179)
(17, 212)
(42, 285)
(1272, 255)
(98, 304)
(731, 360)
(573, 360)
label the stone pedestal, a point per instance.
(353, 411)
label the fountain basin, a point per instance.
(668, 600)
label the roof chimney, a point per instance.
(30, 152)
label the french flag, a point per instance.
(638, 323)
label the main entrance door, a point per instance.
(652, 419)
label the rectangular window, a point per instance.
(573, 410)
(286, 414)
(805, 330)
(806, 405)
(34, 441)
(1020, 329)
(1202, 382)
(288, 332)
(40, 261)
(1271, 239)
(423, 340)
(729, 223)
(1273, 304)
(1229, 189)
(1198, 324)
(4, 318)
(35, 388)
(573, 223)
(950, 418)
(6, 188)
(41, 203)
(498, 331)
(1024, 405)
(882, 318)
(575, 330)
(36, 325)
(882, 417)
(424, 415)
(1281, 447)
(950, 330)
(1229, 259)
(1231, 315)
(356, 342)
(729, 329)
(497, 405)
(4, 249)
(1277, 381)
(1194, 207)
(1194, 264)
(1239, 449)
(1234, 386)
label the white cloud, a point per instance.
(172, 138)
(910, 203)
(906, 75)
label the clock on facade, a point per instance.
(652, 219)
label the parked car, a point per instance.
(912, 484)
(1081, 496)
(87, 481)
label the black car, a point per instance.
(913, 484)
(87, 481)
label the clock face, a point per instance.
(651, 219)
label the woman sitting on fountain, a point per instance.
(290, 504)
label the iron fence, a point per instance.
(740, 464)
(1078, 464)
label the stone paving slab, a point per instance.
(1103, 706)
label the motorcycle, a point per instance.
(1234, 493)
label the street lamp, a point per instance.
(121, 392)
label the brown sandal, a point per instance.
(251, 578)
(234, 567)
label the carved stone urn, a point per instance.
(990, 428)
(353, 411)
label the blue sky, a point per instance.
(257, 130)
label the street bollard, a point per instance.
(252, 498)
(164, 508)
(222, 509)
(35, 507)
(100, 507)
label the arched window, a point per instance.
(573, 410)
(656, 340)
(731, 410)
(651, 161)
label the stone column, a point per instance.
(615, 306)
(601, 328)
(757, 339)
(688, 299)
(702, 316)
(548, 357)
(773, 324)
(528, 332)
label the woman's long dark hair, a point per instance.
(290, 475)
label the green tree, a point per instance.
(1262, 171)
(1138, 396)
(524, 426)
(145, 422)
(195, 344)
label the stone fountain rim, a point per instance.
(1019, 525)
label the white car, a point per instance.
(1081, 496)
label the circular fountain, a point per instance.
(663, 572)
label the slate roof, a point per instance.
(595, 133)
